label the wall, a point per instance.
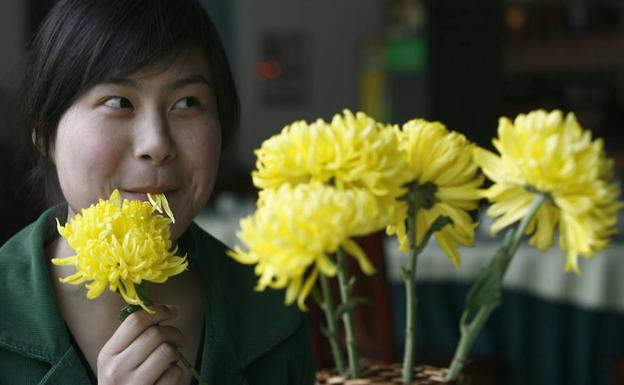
(13, 32)
(12, 42)
(333, 31)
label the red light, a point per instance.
(268, 70)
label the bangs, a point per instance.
(134, 35)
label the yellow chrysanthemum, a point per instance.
(547, 152)
(350, 152)
(119, 244)
(446, 179)
(295, 229)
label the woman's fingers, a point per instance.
(141, 351)
(171, 376)
(148, 341)
(164, 356)
(135, 325)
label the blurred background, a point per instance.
(463, 63)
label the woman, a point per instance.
(136, 95)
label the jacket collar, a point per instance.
(34, 326)
(67, 370)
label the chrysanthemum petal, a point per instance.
(511, 216)
(352, 248)
(95, 288)
(326, 266)
(546, 219)
(74, 279)
(64, 261)
(462, 221)
(448, 247)
(491, 165)
(466, 192)
(307, 288)
(293, 289)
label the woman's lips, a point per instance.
(134, 196)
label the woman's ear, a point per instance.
(38, 143)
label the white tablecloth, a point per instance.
(600, 285)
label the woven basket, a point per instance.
(389, 375)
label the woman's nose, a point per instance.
(153, 141)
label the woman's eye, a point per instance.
(118, 102)
(186, 103)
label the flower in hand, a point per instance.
(119, 244)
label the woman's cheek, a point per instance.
(100, 149)
(199, 141)
(199, 150)
(88, 152)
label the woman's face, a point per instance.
(155, 131)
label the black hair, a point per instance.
(82, 43)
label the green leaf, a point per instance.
(347, 307)
(350, 284)
(406, 275)
(127, 310)
(141, 290)
(318, 298)
(488, 287)
(438, 224)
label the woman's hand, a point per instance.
(142, 351)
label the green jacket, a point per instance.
(250, 338)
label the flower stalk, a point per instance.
(346, 286)
(129, 309)
(485, 294)
(418, 197)
(409, 276)
(327, 304)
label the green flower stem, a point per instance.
(411, 303)
(419, 196)
(345, 297)
(129, 309)
(469, 333)
(471, 327)
(327, 304)
(190, 367)
(411, 298)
